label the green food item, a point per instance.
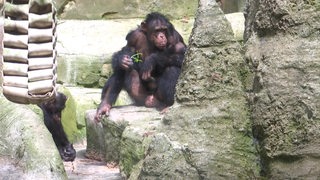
(137, 57)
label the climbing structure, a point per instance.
(29, 56)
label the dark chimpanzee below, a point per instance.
(52, 119)
(150, 81)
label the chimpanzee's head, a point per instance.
(56, 104)
(158, 29)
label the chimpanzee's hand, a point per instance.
(67, 153)
(126, 62)
(147, 67)
(103, 109)
(146, 75)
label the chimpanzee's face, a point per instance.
(158, 34)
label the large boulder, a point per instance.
(282, 49)
(123, 137)
(27, 150)
(79, 101)
(214, 108)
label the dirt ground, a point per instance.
(83, 168)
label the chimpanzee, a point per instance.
(52, 119)
(148, 67)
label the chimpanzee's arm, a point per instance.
(172, 56)
(136, 41)
(121, 59)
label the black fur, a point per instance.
(52, 119)
(164, 64)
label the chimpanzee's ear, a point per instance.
(144, 26)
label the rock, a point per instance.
(121, 137)
(85, 51)
(231, 6)
(80, 100)
(27, 150)
(165, 155)
(69, 116)
(106, 70)
(79, 70)
(211, 127)
(199, 142)
(84, 168)
(73, 116)
(100, 9)
(102, 81)
(88, 79)
(282, 49)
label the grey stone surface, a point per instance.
(283, 52)
(110, 9)
(83, 168)
(27, 150)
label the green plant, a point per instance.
(137, 57)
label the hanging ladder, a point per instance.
(29, 55)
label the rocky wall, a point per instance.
(282, 50)
(110, 9)
(27, 150)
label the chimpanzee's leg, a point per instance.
(166, 88)
(135, 88)
(121, 64)
(110, 94)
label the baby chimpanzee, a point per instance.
(52, 119)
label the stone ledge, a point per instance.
(127, 126)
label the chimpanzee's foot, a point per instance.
(151, 101)
(67, 153)
(164, 110)
(101, 111)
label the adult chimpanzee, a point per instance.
(148, 67)
(52, 119)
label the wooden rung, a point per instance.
(17, 41)
(16, 94)
(40, 87)
(41, 2)
(41, 21)
(41, 63)
(38, 75)
(40, 49)
(17, 11)
(15, 69)
(40, 35)
(41, 6)
(19, 1)
(16, 26)
(15, 55)
(15, 81)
